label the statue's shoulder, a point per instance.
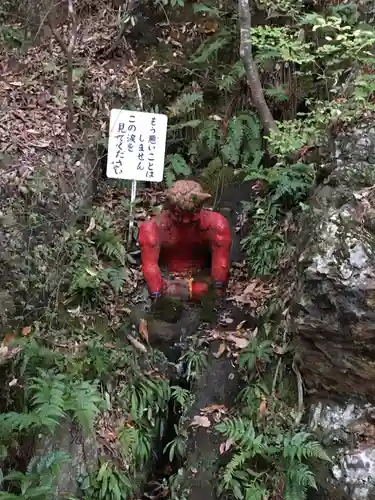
(214, 220)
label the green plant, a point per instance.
(97, 259)
(175, 166)
(177, 447)
(236, 142)
(265, 244)
(195, 360)
(248, 474)
(37, 482)
(108, 483)
(52, 397)
(255, 352)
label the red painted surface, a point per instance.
(181, 241)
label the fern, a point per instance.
(186, 103)
(256, 491)
(285, 454)
(231, 150)
(114, 277)
(299, 446)
(38, 481)
(136, 445)
(101, 218)
(84, 401)
(209, 135)
(183, 397)
(47, 398)
(109, 244)
(236, 73)
(176, 166)
(211, 48)
(299, 478)
(13, 421)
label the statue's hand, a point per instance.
(176, 288)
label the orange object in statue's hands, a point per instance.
(176, 288)
(185, 289)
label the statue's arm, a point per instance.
(221, 242)
(149, 241)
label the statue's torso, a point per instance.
(184, 249)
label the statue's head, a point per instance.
(185, 200)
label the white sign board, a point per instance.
(136, 145)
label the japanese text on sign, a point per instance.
(136, 145)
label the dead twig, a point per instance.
(299, 393)
(251, 68)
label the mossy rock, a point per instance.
(215, 177)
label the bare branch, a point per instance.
(251, 68)
(56, 34)
(68, 51)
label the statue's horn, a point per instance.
(203, 197)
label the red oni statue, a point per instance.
(181, 240)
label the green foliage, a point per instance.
(37, 482)
(194, 360)
(286, 453)
(109, 483)
(255, 352)
(98, 259)
(175, 166)
(286, 186)
(265, 244)
(11, 36)
(52, 397)
(236, 143)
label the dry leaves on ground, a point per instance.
(252, 294)
(216, 411)
(200, 421)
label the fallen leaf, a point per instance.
(143, 330)
(26, 330)
(201, 421)
(109, 345)
(240, 325)
(138, 345)
(277, 349)
(239, 342)
(8, 338)
(220, 351)
(212, 408)
(91, 225)
(250, 289)
(224, 447)
(263, 408)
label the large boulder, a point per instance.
(333, 313)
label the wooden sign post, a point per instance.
(136, 150)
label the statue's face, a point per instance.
(183, 217)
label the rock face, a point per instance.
(334, 307)
(333, 314)
(349, 429)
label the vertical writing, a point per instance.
(151, 145)
(120, 137)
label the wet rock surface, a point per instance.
(348, 431)
(333, 313)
